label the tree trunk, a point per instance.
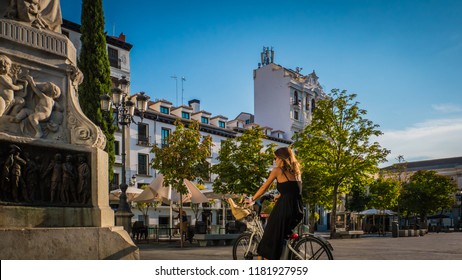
(181, 220)
(146, 219)
(312, 221)
(333, 215)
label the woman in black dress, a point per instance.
(288, 210)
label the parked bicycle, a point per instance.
(298, 246)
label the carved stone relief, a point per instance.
(42, 14)
(34, 176)
(29, 108)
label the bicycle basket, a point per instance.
(239, 212)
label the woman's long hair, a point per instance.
(290, 163)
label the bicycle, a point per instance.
(298, 246)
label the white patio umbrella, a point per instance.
(157, 191)
(374, 211)
(132, 193)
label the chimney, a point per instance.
(195, 104)
(121, 37)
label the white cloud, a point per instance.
(433, 139)
(447, 108)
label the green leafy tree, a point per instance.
(184, 157)
(94, 64)
(357, 199)
(427, 192)
(337, 146)
(243, 163)
(383, 194)
(314, 193)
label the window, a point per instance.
(295, 98)
(209, 179)
(115, 181)
(221, 124)
(247, 121)
(165, 133)
(164, 110)
(205, 120)
(296, 115)
(113, 55)
(143, 134)
(313, 104)
(117, 148)
(307, 103)
(143, 164)
(185, 115)
(210, 147)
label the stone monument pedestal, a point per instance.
(72, 243)
(54, 197)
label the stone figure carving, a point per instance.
(12, 173)
(47, 94)
(25, 179)
(32, 177)
(75, 75)
(83, 188)
(26, 107)
(69, 180)
(8, 87)
(43, 14)
(55, 169)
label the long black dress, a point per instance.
(286, 214)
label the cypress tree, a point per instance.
(94, 64)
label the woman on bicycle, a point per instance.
(288, 210)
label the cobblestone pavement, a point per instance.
(433, 246)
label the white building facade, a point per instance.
(284, 99)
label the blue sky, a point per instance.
(402, 58)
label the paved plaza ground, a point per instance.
(433, 246)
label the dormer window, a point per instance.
(164, 110)
(185, 115)
(221, 124)
(204, 120)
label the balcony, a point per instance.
(118, 159)
(295, 102)
(144, 140)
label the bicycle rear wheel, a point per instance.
(242, 250)
(311, 248)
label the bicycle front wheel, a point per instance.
(311, 248)
(244, 248)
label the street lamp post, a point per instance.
(125, 110)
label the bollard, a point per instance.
(394, 229)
